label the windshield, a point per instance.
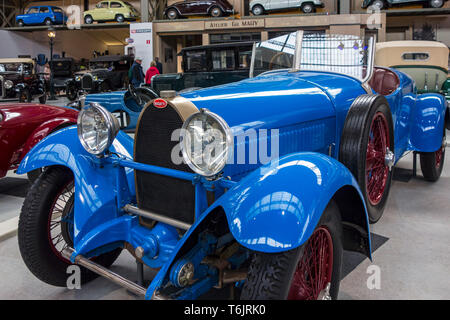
(346, 54)
(15, 67)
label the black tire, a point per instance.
(20, 23)
(172, 14)
(88, 19)
(436, 3)
(71, 92)
(355, 143)
(120, 18)
(34, 175)
(33, 232)
(48, 22)
(308, 8)
(379, 4)
(25, 95)
(215, 12)
(271, 275)
(43, 98)
(258, 10)
(432, 163)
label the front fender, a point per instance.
(277, 207)
(428, 123)
(95, 182)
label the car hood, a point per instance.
(272, 100)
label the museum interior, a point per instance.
(349, 97)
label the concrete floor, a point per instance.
(414, 262)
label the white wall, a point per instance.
(21, 43)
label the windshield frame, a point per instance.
(296, 65)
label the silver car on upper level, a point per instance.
(259, 7)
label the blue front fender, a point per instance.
(95, 189)
(428, 123)
(277, 207)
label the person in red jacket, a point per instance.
(151, 72)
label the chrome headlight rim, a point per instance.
(8, 84)
(228, 138)
(113, 127)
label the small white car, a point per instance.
(259, 7)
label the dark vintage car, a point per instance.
(105, 73)
(384, 4)
(63, 70)
(213, 8)
(207, 66)
(18, 80)
(22, 125)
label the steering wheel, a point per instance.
(277, 58)
(134, 95)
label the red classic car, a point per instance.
(22, 125)
(213, 8)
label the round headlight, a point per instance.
(97, 128)
(206, 141)
(8, 84)
(77, 78)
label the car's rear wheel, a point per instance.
(46, 228)
(25, 95)
(172, 14)
(20, 23)
(257, 10)
(309, 272)
(120, 18)
(215, 12)
(378, 4)
(88, 19)
(432, 163)
(436, 3)
(367, 146)
(308, 8)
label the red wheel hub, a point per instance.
(377, 171)
(315, 267)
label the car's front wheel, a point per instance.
(367, 150)
(432, 163)
(71, 92)
(257, 10)
(215, 12)
(25, 95)
(48, 22)
(46, 227)
(20, 23)
(309, 272)
(172, 14)
(378, 4)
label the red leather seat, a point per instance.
(384, 81)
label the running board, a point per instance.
(104, 272)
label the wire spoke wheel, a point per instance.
(60, 222)
(377, 171)
(312, 277)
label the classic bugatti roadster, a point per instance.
(258, 185)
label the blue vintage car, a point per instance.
(125, 106)
(258, 185)
(42, 15)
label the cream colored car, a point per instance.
(116, 10)
(424, 61)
